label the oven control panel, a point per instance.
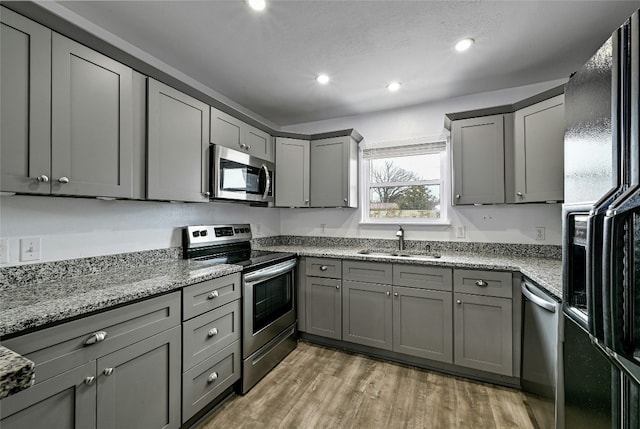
(207, 235)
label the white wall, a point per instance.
(81, 227)
(498, 223)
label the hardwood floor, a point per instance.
(318, 387)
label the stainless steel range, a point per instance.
(268, 279)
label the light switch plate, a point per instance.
(540, 232)
(4, 250)
(30, 249)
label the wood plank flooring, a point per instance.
(318, 387)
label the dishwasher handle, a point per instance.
(549, 306)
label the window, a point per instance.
(405, 184)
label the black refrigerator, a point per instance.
(601, 243)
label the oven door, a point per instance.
(269, 304)
(238, 176)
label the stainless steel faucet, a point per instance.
(400, 235)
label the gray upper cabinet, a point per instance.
(477, 146)
(177, 130)
(367, 314)
(25, 99)
(231, 132)
(539, 152)
(292, 172)
(91, 122)
(334, 172)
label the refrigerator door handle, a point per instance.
(613, 277)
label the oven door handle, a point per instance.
(268, 273)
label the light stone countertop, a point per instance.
(547, 273)
(16, 372)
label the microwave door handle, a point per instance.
(267, 183)
(613, 304)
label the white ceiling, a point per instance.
(267, 62)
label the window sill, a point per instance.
(396, 222)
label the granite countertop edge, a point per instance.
(545, 272)
(16, 372)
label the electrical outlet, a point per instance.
(30, 249)
(4, 250)
(540, 233)
(461, 231)
(322, 228)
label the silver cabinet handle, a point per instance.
(458, 301)
(323, 268)
(243, 146)
(43, 179)
(108, 371)
(212, 377)
(337, 286)
(457, 196)
(207, 194)
(396, 294)
(213, 294)
(89, 380)
(345, 200)
(248, 146)
(212, 332)
(481, 283)
(63, 179)
(388, 293)
(306, 201)
(519, 194)
(96, 337)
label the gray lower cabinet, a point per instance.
(116, 369)
(539, 152)
(483, 333)
(65, 402)
(67, 120)
(367, 314)
(323, 307)
(178, 144)
(334, 172)
(423, 323)
(477, 150)
(292, 172)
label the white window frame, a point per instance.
(444, 182)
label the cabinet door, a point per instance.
(258, 143)
(423, 323)
(91, 122)
(367, 314)
(226, 130)
(25, 100)
(478, 160)
(64, 402)
(177, 145)
(324, 307)
(539, 151)
(139, 386)
(334, 178)
(292, 172)
(483, 333)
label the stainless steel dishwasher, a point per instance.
(540, 350)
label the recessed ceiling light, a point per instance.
(464, 44)
(322, 79)
(394, 86)
(258, 5)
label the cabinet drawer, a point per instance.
(61, 348)
(371, 272)
(324, 267)
(488, 283)
(423, 277)
(209, 333)
(205, 296)
(204, 382)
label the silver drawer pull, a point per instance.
(337, 286)
(323, 268)
(63, 179)
(395, 294)
(212, 377)
(212, 332)
(89, 380)
(213, 294)
(481, 283)
(458, 301)
(388, 293)
(96, 337)
(108, 371)
(43, 179)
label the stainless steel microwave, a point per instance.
(236, 175)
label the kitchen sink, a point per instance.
(400, 254)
